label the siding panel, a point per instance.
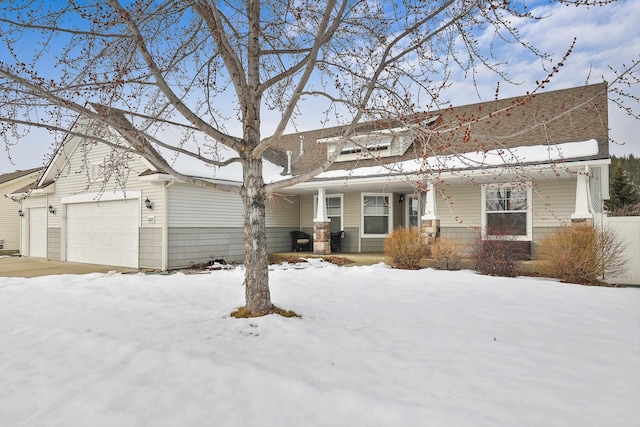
(202, 207)
(306, 211)
(53, 244)
(76, 177)
(194, 245)
(284, 213)
(352, 211)
(553, 202)
(150, 254)
(461, 208)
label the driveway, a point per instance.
(12, 266)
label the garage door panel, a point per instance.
(103, 233)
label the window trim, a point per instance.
(327, 196)
(389, 215)
(529, 212)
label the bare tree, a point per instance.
(216, 66)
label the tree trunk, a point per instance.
(257, 296)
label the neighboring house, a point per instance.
(538, 164)
(9, 210)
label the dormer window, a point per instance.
(361, 148)
(374, 144)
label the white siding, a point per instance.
(284, 212)
(553, 202)
(462, 206)
(306, 211)
(352, 210)
(74, 179)
(191, 206)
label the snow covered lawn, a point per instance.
(375, 347)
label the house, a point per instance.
(97, 204)
(514, 169)
(10, 210)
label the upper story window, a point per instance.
(378, 144)
(506, 211)
(376, 215)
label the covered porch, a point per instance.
(454, 204)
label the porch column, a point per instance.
(430, 224)
(582, 213)
(321, 227)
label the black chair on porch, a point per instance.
(336, 241)
(300, 241)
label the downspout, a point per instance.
(22, 230)
(165, 225)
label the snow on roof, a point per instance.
(477, 159)
(187, 165)
(191, 166)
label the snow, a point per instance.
(194, 167)
(375, 347)
(478, 159)
(509, 157)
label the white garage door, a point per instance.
(38, 232)
(103, 232)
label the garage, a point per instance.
(104, 232)
(38, 232)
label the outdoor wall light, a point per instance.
(148, 204)
(20, 213)
(401, 198)
(52, 210)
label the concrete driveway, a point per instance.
(13, 266)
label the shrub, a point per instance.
(627, 210)
(447, 254)
(582, 254)
(404, 248)
(498, 257)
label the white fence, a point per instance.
(627, 227)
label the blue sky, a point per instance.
(606, 36)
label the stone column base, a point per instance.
(430, 230)
(322, 238)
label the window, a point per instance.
(413, 211)
(334, 210)
(363, 149)
(506, 211)
(96, 170)
(374, 144)
(376, 215)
